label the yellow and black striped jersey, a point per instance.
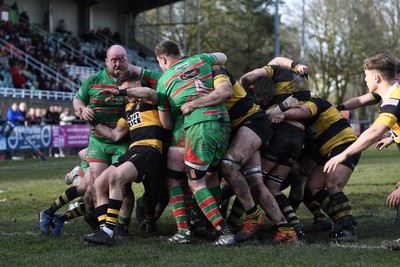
(389, 112)
(145, 129)
(241, 105)
(325, 127)
(288, 82)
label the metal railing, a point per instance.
(37, 94)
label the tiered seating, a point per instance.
(82, 72)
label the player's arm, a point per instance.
(137, 92)
(287, 62)
(356, 102)
(280, 109)
(247, 79)
(79, 106)
(165, 119)
(294, 114)
(221, 94)
(113, 134)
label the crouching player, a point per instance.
(327, 135)
(47, 217)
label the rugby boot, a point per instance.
(249, 229)
(344, 236)
(285, 235)
(299, 228)
(45, 222)
(225, 240)
(321, 224)
(58, 224)
(179, 238)
(99, 238)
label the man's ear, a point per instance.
(378, 78)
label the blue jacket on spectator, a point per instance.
(14, 115)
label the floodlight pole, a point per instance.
(276, 27)
(303, 42)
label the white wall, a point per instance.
(104, 15)
(67, 10)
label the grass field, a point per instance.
(28, 186)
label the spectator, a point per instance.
(22, 108)
(30, 117)
(24, 17)
(14, 115)
(42, 114)
(62, 27)
(52, 115)
(65, 119)
(18, 77)
(34, 86)
(4, 62)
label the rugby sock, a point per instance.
(123, 222)
(254, 215)
(312, 205)
(342, 210)
(101, 213)
(114, 206)
(209, 207)
(188, 198)
(177, 202)
(295, 203)
(322, 197)
(74, 213)
(287, 210)
(68, 195)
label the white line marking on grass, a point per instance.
(348, 245)
(17, 234)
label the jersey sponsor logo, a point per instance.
(181, 67)
(134, 119)
(391, 101)
(190, 74)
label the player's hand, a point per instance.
(291, 102)
(394, 198)
(398, 184)
(331, 165)
(87, 114)
(188, 107)
(384, 143)
(112, 92)
(303, 69)
(278, 118)
(245, 82)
